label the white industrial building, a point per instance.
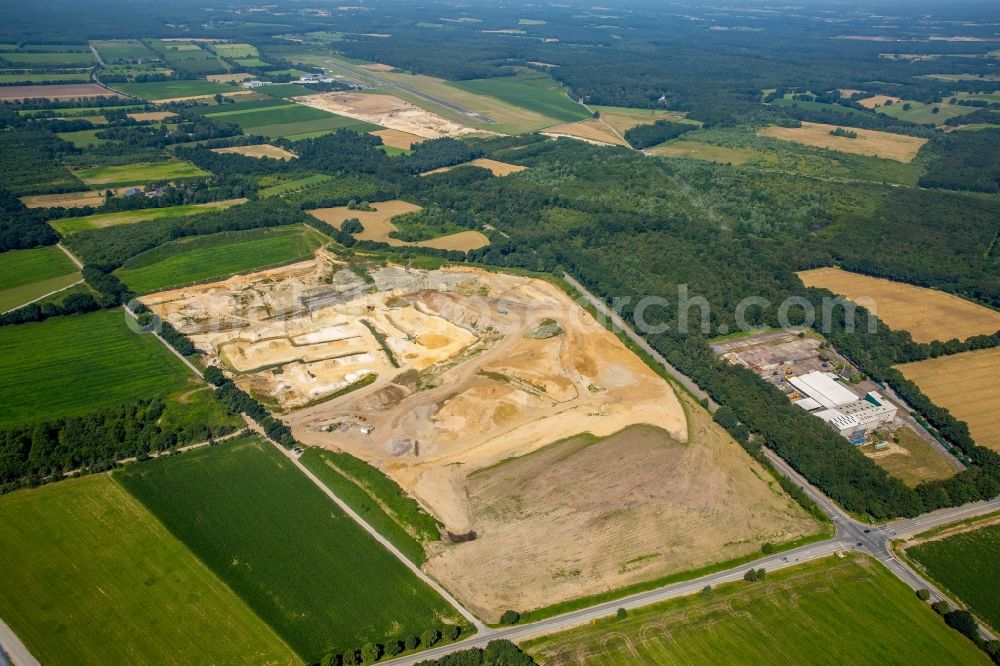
(840, 408)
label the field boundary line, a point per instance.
(481, 628)
(166, 344)
(72, 257)
(45, 296)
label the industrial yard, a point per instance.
(815, 377)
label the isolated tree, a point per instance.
(767, 548)
(453, 631)
(923, 594)
(219, 98)
(621, 614)
(941, 607)
(510, 617)
(706, 592)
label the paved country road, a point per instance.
(14, 649)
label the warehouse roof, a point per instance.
(824, 390)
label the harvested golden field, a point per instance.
(911, 459)
(261, 150)
(154, 116)
(872, 143)
(388, 111)
(496, 167)
(397, 139)
(592, 130)
(378, 225)
(878, 100)
(64, 200)
(966, 385)
(622, 118)
(927, 314)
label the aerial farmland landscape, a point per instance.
(499, 334)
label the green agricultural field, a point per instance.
(55, 59)
(314, 128)
(230, 109)
(122, 49)
(138, 174)
(820, 106)
(235, 50)
(376, 498)
(82, 111)
(173, 89)
(278, 115)
(535, 93)
(293, 185)
(91, 577)
(966, 564)
(251, 62)
(285, 90)
(840, 609)
(72, 225)
(202, 258)
(26, 275)
(39, 76)
(924, 113)
(74, 364)
(294, 557)
(82, 138)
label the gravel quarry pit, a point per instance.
(558, 463)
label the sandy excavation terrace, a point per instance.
(298, 334)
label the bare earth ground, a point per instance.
(496, 167)
(585, 518)
(262, 150)
(590, 130)
(927, 314)
(229, 78)
(868, 142)
(377, 67)
(56, 91)
(877, 100)
(491, 367)
(387, 111)
(238, 95)
(397, 139)
(966, 385)
(151, 115)
(378, 225)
